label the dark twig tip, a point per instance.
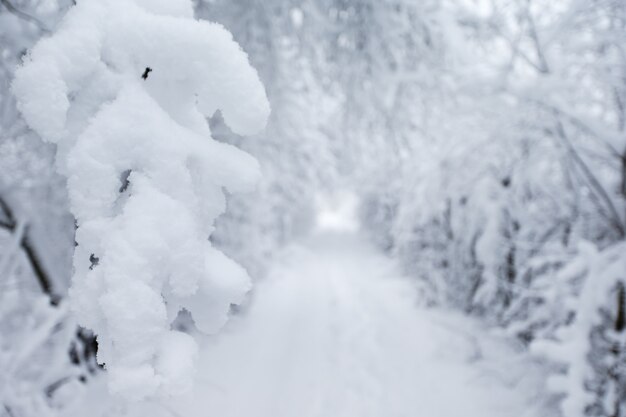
(146, 73)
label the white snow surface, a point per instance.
(336, 331)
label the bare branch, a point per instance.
(543, 67)
(595, 184)
(31, 253)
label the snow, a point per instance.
(335, 331)
(603, 271)
(480, 141)
(490, 246)
(124, 89)
(337, 211)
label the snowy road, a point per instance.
(333, 332)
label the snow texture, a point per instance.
(123, 88)
(602, 271)
(335, 331)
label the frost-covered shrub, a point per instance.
(30, 383)
(377, 211)
(37, 376)
(123, 88)
(495, 248)
(590, 348)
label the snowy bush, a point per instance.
(123, 88)
(590, 349)
(36, 373)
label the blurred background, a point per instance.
(482, 143)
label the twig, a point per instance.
(24, 16)
(31, 253)
(591, 178)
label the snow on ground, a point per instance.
(336, 332)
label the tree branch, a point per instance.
(31, 253)
(543, 67)
(592, 180)
(24, 16)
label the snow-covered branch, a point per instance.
(128, 90)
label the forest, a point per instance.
(313, 208)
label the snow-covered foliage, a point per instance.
(589, 349)
(517, 161)
(42, 356)
(124, 89)
(481, 157)
(37, 375)
(484, 139)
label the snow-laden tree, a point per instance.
(124, 89)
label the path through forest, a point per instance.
(335, 331)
